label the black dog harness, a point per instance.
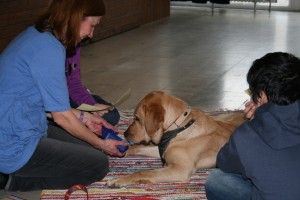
(169, 135)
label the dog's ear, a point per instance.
(154, 117)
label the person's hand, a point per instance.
(102, 112)
(95, 123)
(250, 108)
(109, 147)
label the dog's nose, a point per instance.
(126, 134)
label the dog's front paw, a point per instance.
(126, 180)
(116, 183)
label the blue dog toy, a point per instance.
(110, 134)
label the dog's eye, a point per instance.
(136, 118)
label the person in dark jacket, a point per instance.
(261, 159)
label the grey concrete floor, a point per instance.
(198, 56)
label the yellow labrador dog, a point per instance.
(187, 139)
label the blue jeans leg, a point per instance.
(227, 186)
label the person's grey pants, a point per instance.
(59, 162)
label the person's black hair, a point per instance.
(278, 75)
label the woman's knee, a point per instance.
(105, 168)
(99, 165)
(112, 117)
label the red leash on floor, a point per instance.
(75, 188)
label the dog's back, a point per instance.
(206, 136)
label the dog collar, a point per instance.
(168, 136)
(180, 119)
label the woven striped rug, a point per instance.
(194, 189)
(122, 166)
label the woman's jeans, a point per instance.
(227, 186)
(59, 162)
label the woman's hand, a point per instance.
(109, 146)
(95, 123)
(102, 112)
(69, 120)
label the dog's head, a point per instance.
(152, 116)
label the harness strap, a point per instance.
(180, 119)
(168, 136)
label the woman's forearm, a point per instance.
(69, 121)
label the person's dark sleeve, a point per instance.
(228, 158)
